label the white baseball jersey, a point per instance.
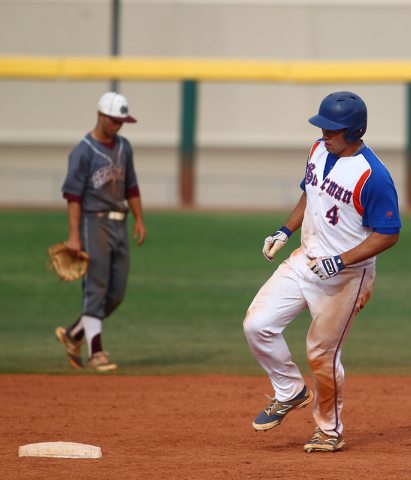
(333, 220)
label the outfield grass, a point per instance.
(189, 288)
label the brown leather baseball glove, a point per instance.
(67, 267)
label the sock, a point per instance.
(92, 327)
(96, 344)
(76, 331)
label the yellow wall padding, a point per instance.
(122, 68)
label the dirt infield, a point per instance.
(196, 428)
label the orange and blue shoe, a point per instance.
(274, 414)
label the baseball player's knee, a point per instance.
(319, 358)
(253, 331)
(258, 333)
(112, 304)
(251, 324)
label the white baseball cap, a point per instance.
(115, 106)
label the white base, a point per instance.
(60, 450)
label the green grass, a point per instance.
(189, 288)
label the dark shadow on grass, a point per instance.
(191, 359)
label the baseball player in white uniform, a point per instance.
(100, 188)
(348, 214)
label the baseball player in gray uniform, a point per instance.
(100, 183)
(348, 214)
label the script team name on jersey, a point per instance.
(330, 187)
(107, 173)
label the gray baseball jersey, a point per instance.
(100, 176)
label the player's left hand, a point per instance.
(326, 267)
(139, 229)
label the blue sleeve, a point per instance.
(387, 231)
(379, 200)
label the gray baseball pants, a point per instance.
(105, 283)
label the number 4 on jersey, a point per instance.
(332, 214)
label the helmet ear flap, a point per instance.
(355, 132)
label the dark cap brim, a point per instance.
(128, 119)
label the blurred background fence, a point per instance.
(251, 132)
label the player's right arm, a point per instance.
(274, 242)
(74, 217)
(296, 218)
(73, 191)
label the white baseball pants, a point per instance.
(333, 305)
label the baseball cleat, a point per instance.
(71, 346)
(321, 442)
(274, 414)
(100, 363)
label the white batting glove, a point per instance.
(273, 243)
(326, 267)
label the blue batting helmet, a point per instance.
(342, 110)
